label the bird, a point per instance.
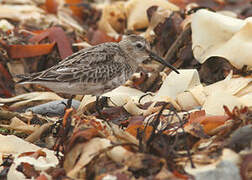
(97, 69)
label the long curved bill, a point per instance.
(160, 60)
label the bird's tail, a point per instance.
(24, 78)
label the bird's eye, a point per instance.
(139, 45)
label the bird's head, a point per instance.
(139, 50)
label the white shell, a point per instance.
(214, 34)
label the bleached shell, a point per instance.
(126, 97)
(214, 34)
(132, 108)
(232, 91)
(65, 17)
(198, 93)
(158, 17)
(214, 103)
(187, 101)
(113, 18)
(6, 25)
(136, 12)
(231, 86)
(86, 152)
(16, 146)
(247, 99)
(177, 83)
(122, 94)
(30, 98)
(21, 12)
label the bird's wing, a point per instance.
(95, 64)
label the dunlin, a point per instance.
(97, 69)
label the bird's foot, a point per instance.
(100, 103)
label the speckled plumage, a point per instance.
(94, 70)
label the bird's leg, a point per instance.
(100, 103)
(69, 101)
(97, 105)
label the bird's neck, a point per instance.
(129, 57)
